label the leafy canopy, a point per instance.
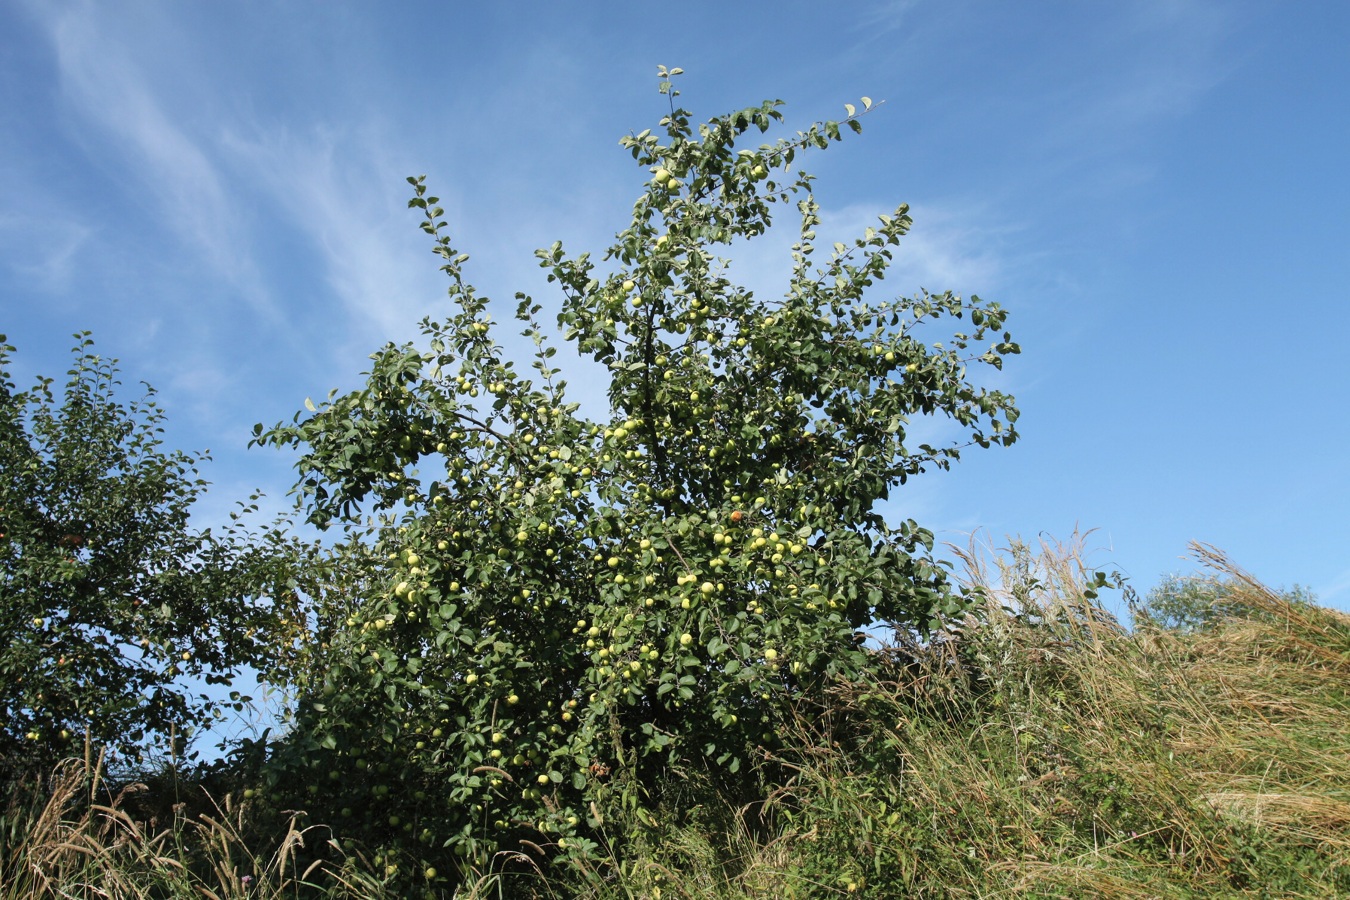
(108, 595)
(549, 615)
(1192, 603)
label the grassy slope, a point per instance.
(1046, 754)
(1056, 754)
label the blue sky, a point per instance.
(1157, 190)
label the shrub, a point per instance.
(108, 595)
(553, 622)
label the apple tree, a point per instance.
(562, 618)
(109, 596)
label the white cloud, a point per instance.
(43, 249)
(340, 191)
(946, 249)
(1336, 588)
(1148, 62)
(110, 94)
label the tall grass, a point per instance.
(74, 837)
(1043, 749)
(1040, 748)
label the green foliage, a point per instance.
(1043, 750)
(108, 596)
(1197, 603)
(563, 617)
(1039, 750)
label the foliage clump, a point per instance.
(1201, 603)
(551, 619)
(109, 596)
(1042, 749)
(1048, 754)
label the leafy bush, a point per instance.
(108, 596)
(565, 620)
(1197, 602)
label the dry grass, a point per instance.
(1043, 749)
(1040, 749)
(76, 841)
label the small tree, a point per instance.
(561, 615)
(108, 596)
(1191, 603)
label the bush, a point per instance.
(108, 596)
(566, 622)
(1197, 603)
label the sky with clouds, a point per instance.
(1157, 190)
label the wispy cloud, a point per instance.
(110, 96)
(884, 17)
(43, 250)
(949, 248)
(1147, 63)
(1337, 589)
(338, 188)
